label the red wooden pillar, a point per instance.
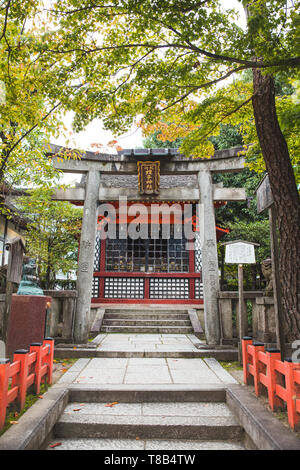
(257, 347)
(37, 348)
(20, 379)
(292, 393)
(192, 270)
(246, 359)
(272, 356)
(4, 378)
(102, 268)
(48, 359)
(147, 288)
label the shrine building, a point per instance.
(149, 233)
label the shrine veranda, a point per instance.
(149, 236)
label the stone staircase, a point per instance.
(141, 418)
(120, 320)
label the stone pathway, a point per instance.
(138, 345)
(141, 371)
(162, 403)
(147, 342)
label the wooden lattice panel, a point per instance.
(123, 288)
(97, 253)
(198, 256)
(169, 288)
(95, 287)
(198, 289)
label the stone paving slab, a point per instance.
(126, 345)
(173, 444)
(149, 409)
(147, 342)
(185, 409)
(132, 420)
(147, 427)
(140, 371)
(149, 444)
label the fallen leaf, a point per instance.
(41, 397)
(55, 445)
(13, 422)
(111, 404)
(77, 409)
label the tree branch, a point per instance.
(5, 19)
(204, 85)
(23, 136)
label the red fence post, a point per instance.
(293, 393)
(257, 367)
(273, 355)
(37, 348)
(20, 378)
(4, 374)
(245, 356)
(49, 357)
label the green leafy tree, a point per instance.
(152, 56)
(153, 141)
(52, 236)
(32, 87)
(145, 58)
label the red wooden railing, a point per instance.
(281, 379)
(28, 368)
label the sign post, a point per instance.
(240, 252)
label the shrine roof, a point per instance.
(129, 154)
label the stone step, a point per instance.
(149, 444)
(144, 322)
(219, 354)
(145, 310)
(196, 421)
(146, 316)
(147, 329)
(126, 393)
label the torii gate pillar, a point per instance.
(86, 256)
(210, 269)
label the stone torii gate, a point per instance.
(171, 163)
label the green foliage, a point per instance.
(229, 136)
(132, 60)
(13, 416)
(140, 58)
(32, 88)
(52, 237)
(153, 141)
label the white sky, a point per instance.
(94, 132)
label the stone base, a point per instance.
(264, 327)
(27, 321)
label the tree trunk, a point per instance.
(286, 199)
